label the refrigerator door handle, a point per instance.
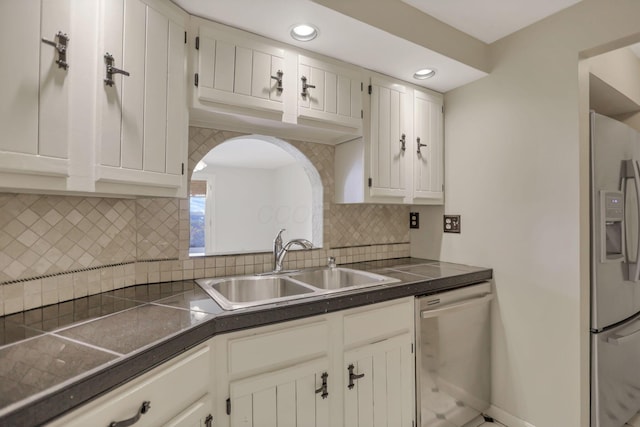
(623, 339)
(633, 172)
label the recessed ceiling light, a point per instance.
(304, 32)
(424, 73)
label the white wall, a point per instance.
(293, 202)
(516, 169)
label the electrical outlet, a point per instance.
(452, 223)
(414, 220)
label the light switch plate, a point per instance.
(451, 224)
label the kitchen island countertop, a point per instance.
(55, 358)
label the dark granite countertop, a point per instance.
(57, 357)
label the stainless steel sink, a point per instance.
(337, 278)
(247, 291)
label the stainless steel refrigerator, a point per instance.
(615, 271)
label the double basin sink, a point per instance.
(232, 293)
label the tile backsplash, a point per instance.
(57, 248)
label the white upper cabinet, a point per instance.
(237, 69)
(388, 133)
(34, 107)
(400, 158)
(428, 187)
(329, 93)
(142, 111)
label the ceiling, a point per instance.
(490, 20)
(350, 40)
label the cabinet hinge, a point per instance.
(370, 182)
(228, 406)
(411, 348)
(182, 168)
(185, 37)
(196, 79)
(362, 114)
(443, 109)
(197, 43)
(361, 86)
(370, 89)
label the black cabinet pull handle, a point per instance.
(323, 389)
(353, 376)
(146, 405)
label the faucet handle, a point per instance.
(331, 262)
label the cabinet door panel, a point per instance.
(244, 61)
(382, 398)
(177, 125)
(155, 92)
(54, 91)
(281, 398)
(333, 100)
(111, 108)
(261, 75)
(316, 95)
(388, 160)
(206, 61)
(265, 408)
(428, 164)
(20, 37)
(224, 66)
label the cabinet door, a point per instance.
(291, 397)
(34, 107)
(333, 94)
(143, 115)
(388, 140)
(428, 158)
(236, 69)
(384, 395)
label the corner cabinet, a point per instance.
(142, 105)
(400, 158)
(34, 107)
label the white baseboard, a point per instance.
(506, 418)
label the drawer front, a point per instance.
(378, 323)
(170, 389)
(261, 352)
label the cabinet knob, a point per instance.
(111, 70)
(324, 389)
(419, 145)
(278, 79)
(403, 142)
(305, 87)
(353, 376)
(61, 47)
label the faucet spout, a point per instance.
(280, 251)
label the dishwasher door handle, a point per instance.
(462, 305)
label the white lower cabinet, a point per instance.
(296, 374)
(173, 394)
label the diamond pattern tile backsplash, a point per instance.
(57, 248)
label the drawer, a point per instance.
(378, 322)
(170, 389)
(286, 346)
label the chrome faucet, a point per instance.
(280, 250)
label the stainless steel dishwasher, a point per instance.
(453, 357)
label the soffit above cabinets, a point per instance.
(340, 37)
(490, 20)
